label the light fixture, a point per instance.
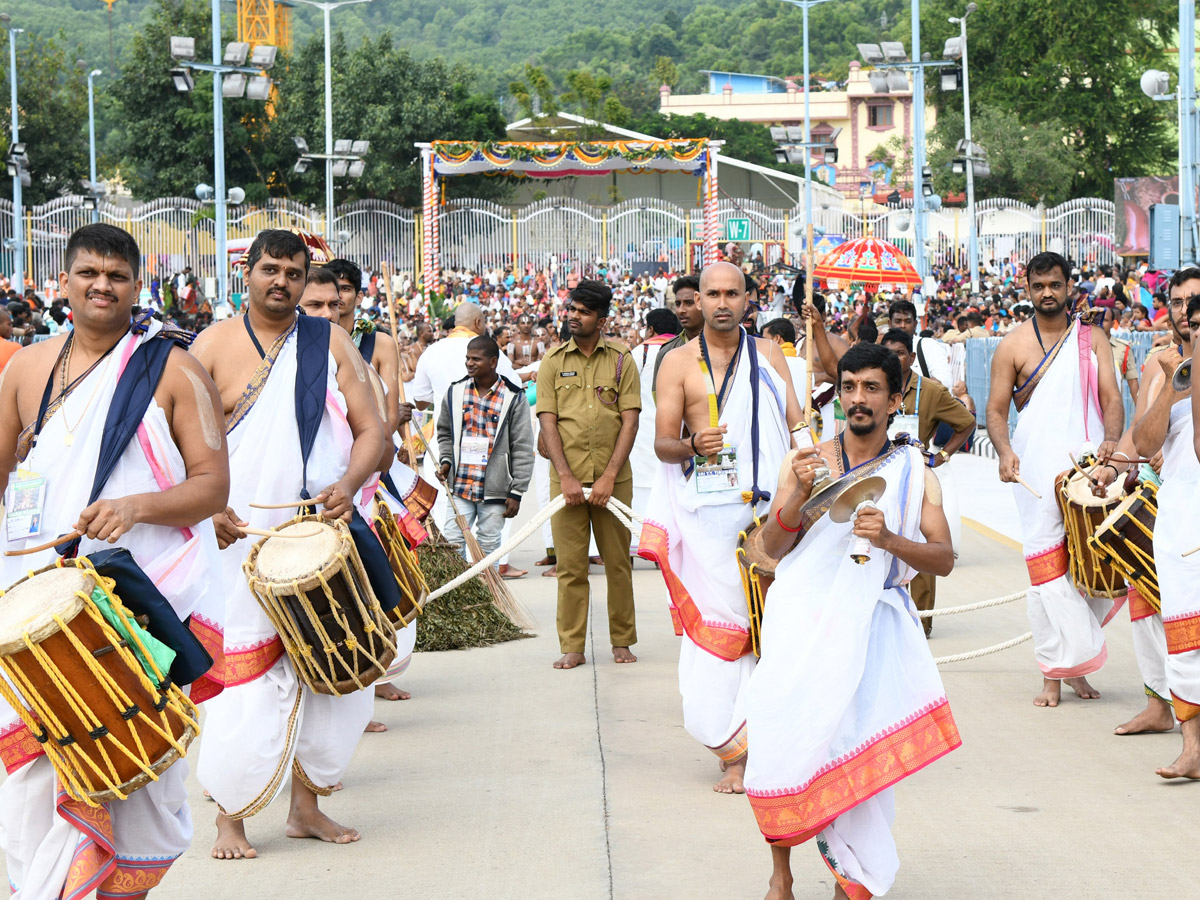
(360, 148)
(204, 192)
(357, 167)
(958, 166)
(263, 56)
(12, 169)
(830, 155)
(980, 168)
(342, 237)
(236, 53)
(897, 81)
(236, 196)
(778, 134)
(951, 79)
(90, 202)
(953, 48)
(871, 53)
(342, 147)
(1155, 83)
(183, 47)
(893, 51)
(259, 88)
(301, 144)
(796, 155)
(301, 166)
(233, 85)
(339, 167)
(879, 81)
(781, 156)
(17, 150)
(926, 189)
(795, 132)
(182, 79)
(926, 173)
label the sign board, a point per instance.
(1164, 236)
(737, 229)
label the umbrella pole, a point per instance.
(808, 332)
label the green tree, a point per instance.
(535, 95)
(52, 110)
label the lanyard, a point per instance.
(253, 337)
(917, 405)
(716, 399)
(846, 470)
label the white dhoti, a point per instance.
(265, 723)
(846, 700)
(1176, 531)
(693, 537)
(1060, 415)
(56, 846)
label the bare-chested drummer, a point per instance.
(266, 724)
(525, 349)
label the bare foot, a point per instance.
(388, 691)
(780, 889)
(374, 727)
(570, 661)
(1156, 717)
(1082, 689)
(546, 561)
(337, 787)
(1187, 766)
(1051, 692)
(510, 572)
(231, 840)
(551, 572)
(312, 823)
(731, 782)
(596, 560)
(622, 655)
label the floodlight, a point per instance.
(339, 167)
(980, 168)
(236, 196)
(830, 156)
(12, 169)
(342, 237)
(832, 137)
(183, 47)
(1155, 83)
(958, 166)
(357, 167)
(795, 132)
(879, 82)
(871, 53)
(781, 156)
(926, 189)
(263, 56)
(360, 148)
(934, 202)
(236, 53)
(182, 79)
(897, 81)
(951, 79)
(233, 85)
(301, 144)
(953, 48)
(926, 173)
(17, 150)
(259, 88)
(26, 181)
(90, 202)
(893, 51)
(204, 192)
(796, 155)
(342, 147)
(778, 134)
(301, 166)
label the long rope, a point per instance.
(633, 522)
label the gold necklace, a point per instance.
(69, 438)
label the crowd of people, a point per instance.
(759, 465)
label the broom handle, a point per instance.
(405, 431)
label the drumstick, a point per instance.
(405, 432)
(1025, 484)
(281, 505)
(47, 546)
(1088, 475)
(259, 532)
(1195, 549)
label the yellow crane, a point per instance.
(264, 22)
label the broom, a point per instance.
(501, 595)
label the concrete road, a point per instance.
(503, 778)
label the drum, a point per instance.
(409, 578)
(1126, 539)
(758, 574)
(1082, 513)
(88, 685)
(315, 591)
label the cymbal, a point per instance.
(848, 500)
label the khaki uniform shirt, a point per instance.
(583, 392)
(937, 405)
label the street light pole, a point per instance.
(972, 224)
(919, 224)
(219, 198)
(92, 140)
(327, 9)
(18, 218)
(1187, 133)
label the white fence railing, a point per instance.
(174, 231)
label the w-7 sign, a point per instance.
(737, 229)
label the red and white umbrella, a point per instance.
(867, 260)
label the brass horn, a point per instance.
(1182, 379)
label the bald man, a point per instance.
(726, 407)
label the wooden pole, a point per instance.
(405, 431)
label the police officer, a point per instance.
(589, 398)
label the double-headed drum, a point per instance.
(311, 584)
(405, 568)
(1126, 539)
(758, 574)
(88, 685)
(1083, 513)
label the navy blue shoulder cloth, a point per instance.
(312, 374)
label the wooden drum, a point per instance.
(758, 574)
(1126, 539)
(315, 592)
(409, 578)
(1083, 513)
(87, 686)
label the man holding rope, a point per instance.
(1059, 372)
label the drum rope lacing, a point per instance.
(632, 521)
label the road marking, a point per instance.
(992, 533)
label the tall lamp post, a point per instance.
(18, 224)
(327, 8)
(94, 186)
(972, 224)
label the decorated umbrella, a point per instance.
(867, 260)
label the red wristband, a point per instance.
(795, 530)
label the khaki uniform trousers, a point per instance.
(572, 527)
(923, 588)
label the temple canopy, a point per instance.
(560, 159)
